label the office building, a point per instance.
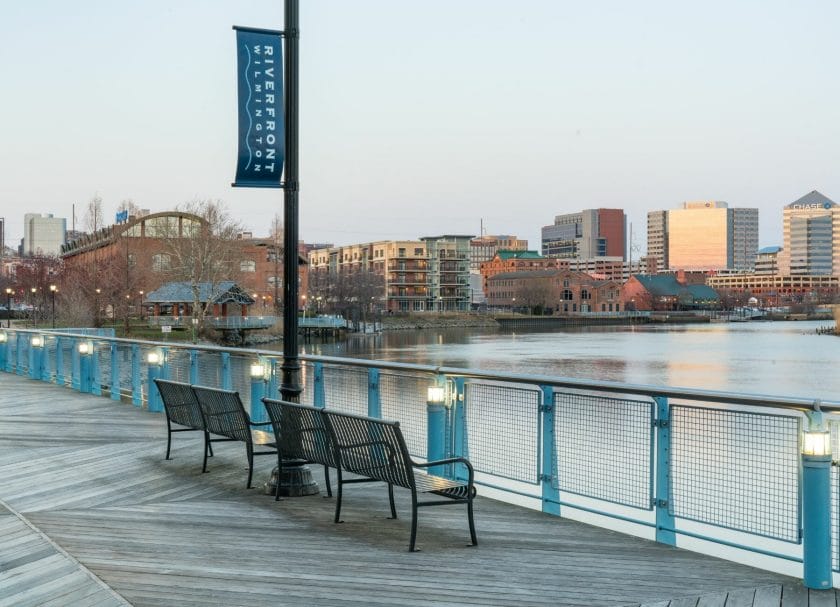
(587, 234)
(704, 235)
(42, 234)
(811, 237)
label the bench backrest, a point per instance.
(224, 413)
(301, 432)
(180, 403)
(371, 447)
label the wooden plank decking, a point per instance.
(96, 516)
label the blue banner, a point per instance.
(261, 120)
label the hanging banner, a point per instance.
(261, 122)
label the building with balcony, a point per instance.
(429, 274)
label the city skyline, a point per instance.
(412, 124)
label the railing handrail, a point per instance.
(694, 394)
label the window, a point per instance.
(161, 263)
(132, 260)
(248, 265)
(567, 295)
(585, 294)
(418, 251)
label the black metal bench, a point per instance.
(301, 437)
(182, 408)
(373, 450)
(224, 415)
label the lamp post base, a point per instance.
(296, 481)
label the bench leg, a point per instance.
(168, 437)
(391, 499)
(413, 521)
(250, 449)
(206, 448)
(327, 480)
(338, 498)
(472, 522)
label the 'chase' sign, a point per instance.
(261, 121)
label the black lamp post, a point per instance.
(8, 307)
(34, 290)
(96, 308)
(53, 290)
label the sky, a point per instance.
(427, 118)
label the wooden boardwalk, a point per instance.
(91, 514)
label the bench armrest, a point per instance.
(258, 423)
(451, 460)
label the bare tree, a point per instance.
(206, 254)
(535, 293)
(130, 206)
(93, 214)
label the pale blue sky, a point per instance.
(422, 117)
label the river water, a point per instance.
(775, 358)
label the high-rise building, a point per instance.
(587, 234)
(657, 238)
(811, 237)
(43, 235)
(704, 235)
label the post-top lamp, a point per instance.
(3, 337)
(257, 370)
(816, 443)
(84, 348)
(154, 358)
(37, 341)
(436, 394)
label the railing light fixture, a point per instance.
(37, 341)
(816, 443)
(257, 370)
(153, 358)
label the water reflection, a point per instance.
(779, 358)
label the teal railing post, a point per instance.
(548, 455)
(436, 424)
(194, 367)
(374, 399)
(227, 379)
(75, 365)
(258, 412)
(319, 398)
(115, 371)
(154, 368)
(662, 500)
(46, 369)
(19, 339)
(59, 362)
(4, 349)
(95, 372)
(85, 372)
(459, 445)
(136, 378)
(36, 361)
(816, 504)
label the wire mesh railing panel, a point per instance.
(403, 398)
(125, 362)
(503, 430)
(603, 447)
(178, 365)
(346, 389)
(103, 354)
(11, 351)
(66, 370)
(307, 380)
(240, 376)
(210, 369)
(50, 349)
(736, 469)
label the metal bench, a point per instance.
(375, 450)
(224, 415)
(181, 408)
(301, 437)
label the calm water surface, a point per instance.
(778, 358)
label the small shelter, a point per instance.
(222, 299)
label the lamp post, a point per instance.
(8, 307)
(436, 424)
(155, 362)
(816, 503)
(140, 306)
(258, 413)
(53, 290)
(85, 375)
(96, 308)
(33, 291)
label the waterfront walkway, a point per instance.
(91, 514)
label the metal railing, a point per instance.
(667, 462)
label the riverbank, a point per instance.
(454, 320)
